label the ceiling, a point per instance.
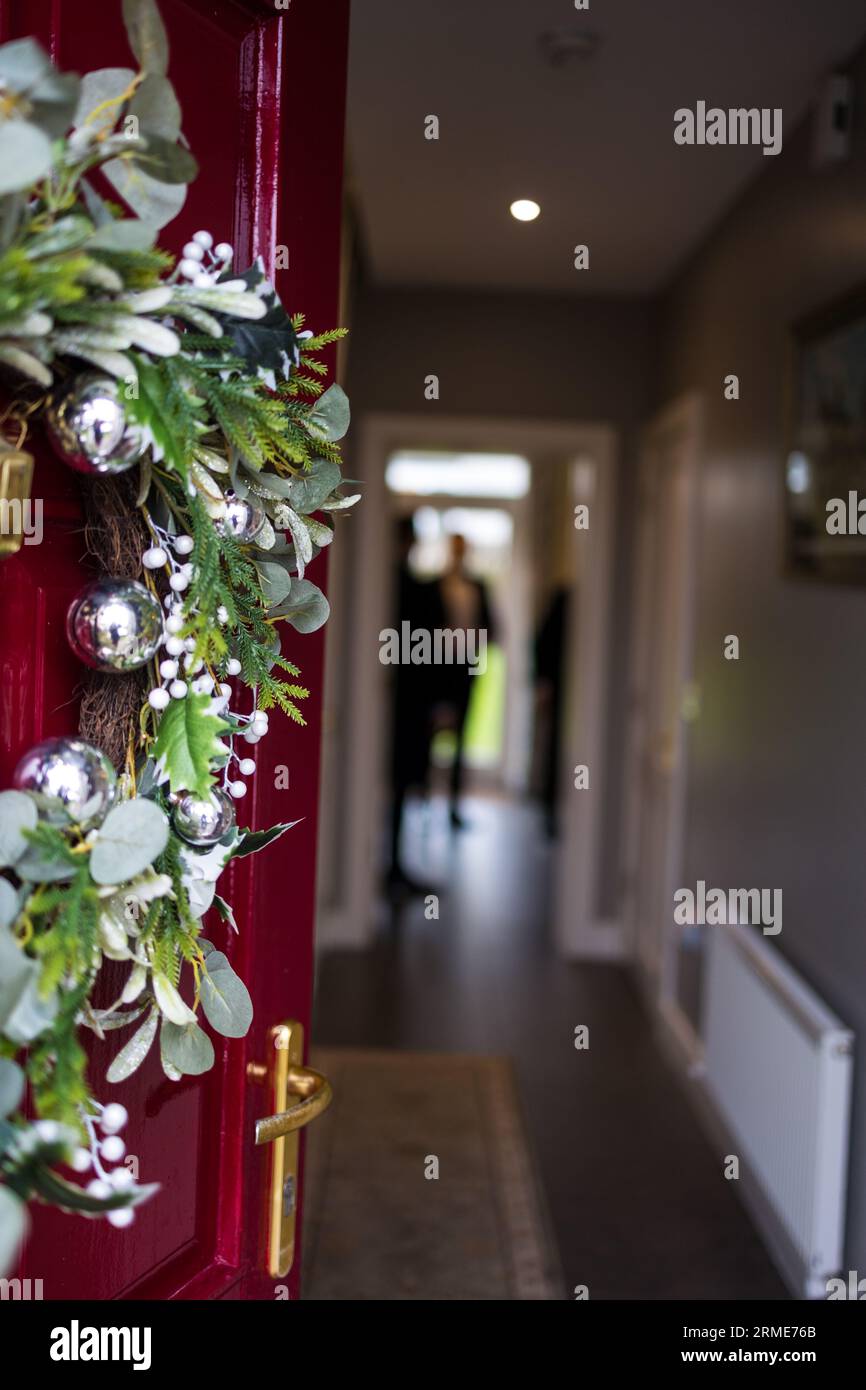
(591, 140)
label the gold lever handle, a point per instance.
(285, 1077)
(316, 1095)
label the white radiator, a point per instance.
(778, 1069)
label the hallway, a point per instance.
(638, 1203)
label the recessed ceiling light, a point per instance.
(525, 210)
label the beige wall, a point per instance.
(538, 356)
(777, 793)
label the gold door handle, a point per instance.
(316, 1095)
(284, 1077)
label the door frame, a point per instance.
(348, 891)
(682, 420)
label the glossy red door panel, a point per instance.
(244, 75)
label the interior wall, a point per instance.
(777, 760)
(531, 355)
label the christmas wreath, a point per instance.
(196, 407)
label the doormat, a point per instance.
(377, 1227)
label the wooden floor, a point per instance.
(638, 1202)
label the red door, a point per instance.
(261, 86)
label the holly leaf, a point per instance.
(254, 840)
(187, 742)
(269, 345)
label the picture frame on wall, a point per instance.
(825, 461)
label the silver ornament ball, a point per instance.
(114, 625)
(243, 519)
(89, 428)
(72, 782)
(203, 820)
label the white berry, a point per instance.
(113, 1118)
(192, 663)
(260, 724)
(121, 1218)
(158, 699)
(202, 281)
(184, 545)
(112, 1148)
(121, 1179)
(174, 624)
(193, 252)
(179, 582)
(168, 670)
(99, 1188)
(154, 558)
(222, 614)
(247, 766)
(223, 251)
(189, 269)
(203, 239)
(174, 646)
(233, 666)
(80, 1161)
(249, 737)
(237, 789)
(177, 690)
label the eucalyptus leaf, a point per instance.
(11, 1086)
(17, 972)
(33, 867)
(17, 814)
(331, 414)
(9, 907)
(31, 1015)
(276, 582)
(188, 1050)
(124, 234)
(225, 998)
(132, 835)
(306, 608)
(99, 96)
(308, 492)
(146, 33)
(152, 200)
(166, 160)
(156, 107)
(13, 1228)
(25, 155)
(133, 1053)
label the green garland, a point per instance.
(227, 391)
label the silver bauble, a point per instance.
(72, 782)
(203, 820)
(243, 519)
(89, 429)
(114, 625)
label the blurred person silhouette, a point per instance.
(549, 681)
(416, 603)
(465, 605)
